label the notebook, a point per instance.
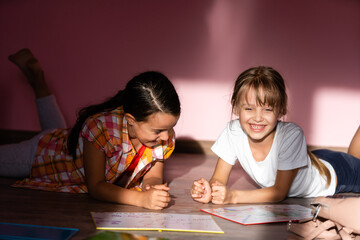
(259, 214)
(155, 221)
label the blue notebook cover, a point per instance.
(14, 231)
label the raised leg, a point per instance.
(49, 112)
(33, 71)
(354, 147)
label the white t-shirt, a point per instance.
(287, 152)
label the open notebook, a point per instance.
(258, 214)
(155, 221)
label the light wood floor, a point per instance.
(73, 210)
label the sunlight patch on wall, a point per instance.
(334, 119)
(199, 100)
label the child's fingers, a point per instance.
(199, 187)
(161, 199)
(200, 198)
(198, 183)
(218, 197)
(161, 187)
(196, 195)
(217, 188)
(198, 190)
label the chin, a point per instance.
(151, 144)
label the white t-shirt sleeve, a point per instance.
(293, 150)
(224, 148)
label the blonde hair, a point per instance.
(323, 170)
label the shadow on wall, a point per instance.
(189, 145)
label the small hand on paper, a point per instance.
(156, 196)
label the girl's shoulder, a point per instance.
(234, 126)
(109, 115)
(112, 119)
(286, 128)
(288, 125)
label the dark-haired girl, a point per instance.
(115, 151)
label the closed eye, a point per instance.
(158, 131)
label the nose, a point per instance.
(258, 115)
(164, 136)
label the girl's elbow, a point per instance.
(279, 195)
(93, 190)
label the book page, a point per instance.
(257, 214)
(155, 221)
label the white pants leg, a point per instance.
(16, 159)
(49, 112)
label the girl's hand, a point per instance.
(201, 191)
(220, 193)
(156, 197)
(159, 187)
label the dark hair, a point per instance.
(147, 93)
(269, 81)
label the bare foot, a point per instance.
(21, 59)
(33, 71)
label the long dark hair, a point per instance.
(147, 93)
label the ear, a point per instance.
(236, 110)
(130, 118)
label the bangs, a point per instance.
(266, 93)
(268, 86)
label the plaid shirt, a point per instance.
(55, 170)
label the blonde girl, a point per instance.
(272, 152)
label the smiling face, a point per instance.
(258, 121)
(156, 128)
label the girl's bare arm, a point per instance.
(94, 164)
(155, 176)
(275, 193)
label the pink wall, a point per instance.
(89, 50)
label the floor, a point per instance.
(73, 210)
